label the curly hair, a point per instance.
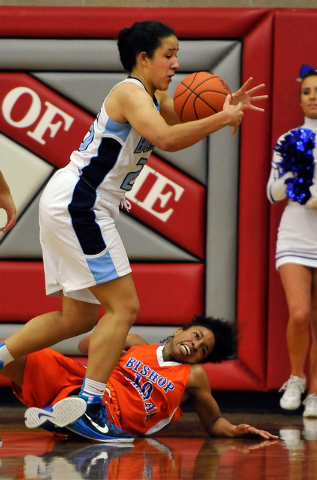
(225, 337)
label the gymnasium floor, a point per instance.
(183, 451)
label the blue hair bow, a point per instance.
(305, 70)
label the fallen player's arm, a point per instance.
(132, 340)
(198, 389)
(83, 344)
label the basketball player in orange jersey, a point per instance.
(85, 261)
(144, 391)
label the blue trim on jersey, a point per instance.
(121, 130)
(83, 219)
(81, 207)
(102, 268)
(99, 166)
(89, 138)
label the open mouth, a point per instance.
(186, 349)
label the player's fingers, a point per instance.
(258, 109)
(227, 102)
(9, 224)
(256, 88)
(247, 83)
(259, 97)
(234, 129)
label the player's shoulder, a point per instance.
(197, 376)
(163, 98)
(128, 86)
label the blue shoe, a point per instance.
(57, 431)
(62, 413)
(95, 425)
(94, 461)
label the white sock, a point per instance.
(91, 389)
(5, 355)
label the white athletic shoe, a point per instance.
(291, 439)
(310, 428)
(310, 403)
(63, 413)
(294, 388)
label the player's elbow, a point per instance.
(83, 345)
(167, 144)
(163, 144)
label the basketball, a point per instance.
(200, 95)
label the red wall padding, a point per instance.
(78, 22)
(168, 293)
(253, 210)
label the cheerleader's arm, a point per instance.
(276, 187)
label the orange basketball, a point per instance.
(200, 95)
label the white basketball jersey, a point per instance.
(112, 154)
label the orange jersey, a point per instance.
(141, 463)
(145, 391)
(148, 390)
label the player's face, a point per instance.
(190, 346)
(164, 63)
(308, 96)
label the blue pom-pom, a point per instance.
(296, 150)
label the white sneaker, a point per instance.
(62, 413)
(292, 439)
(294, 388)
(310, 428)
(310, 403)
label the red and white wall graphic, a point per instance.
(201, 233)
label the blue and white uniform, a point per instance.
(79, 206)
(297, 232)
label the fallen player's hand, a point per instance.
(245, 429)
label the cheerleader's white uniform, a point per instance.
(79, 206)
(297, 232)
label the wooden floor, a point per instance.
(182, 451)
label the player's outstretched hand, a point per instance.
(245, 429)
(246, 97)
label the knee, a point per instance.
(132, 312)
(123, 315)
(300, 318)
(77, 326)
